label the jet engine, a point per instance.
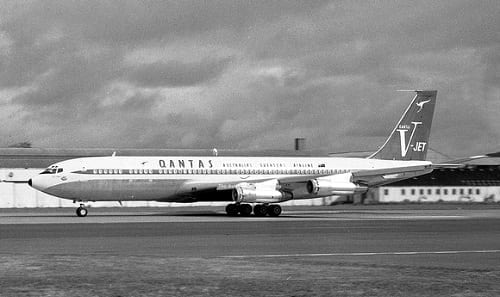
(263, 192)
(338, 184)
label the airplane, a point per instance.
(263, 182)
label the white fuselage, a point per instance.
(174, 178)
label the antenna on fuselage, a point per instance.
(114, 154)
(215, 152)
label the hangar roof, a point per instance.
(42, 158)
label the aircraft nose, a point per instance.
(40, 183)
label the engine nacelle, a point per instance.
(339, 184)
(264, 192)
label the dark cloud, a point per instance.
(491, 60)
(142, 21)
(177, 74)
(70, 80)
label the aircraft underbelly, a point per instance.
(114, 190)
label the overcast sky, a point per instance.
(246, 74)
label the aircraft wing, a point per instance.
(370, 177)
(351, 182)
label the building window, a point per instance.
(470, 191)
(403, 192)
(445, 191)
(478, 192)
(429, 191)
(421, 191)
(438, 192)
(453, 191)
(413, 191)
(386, 192)
(461, 191)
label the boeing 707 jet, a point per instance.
(250, 184)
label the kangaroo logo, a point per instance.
(421, 105)
(402, 135)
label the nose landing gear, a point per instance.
(81, 211)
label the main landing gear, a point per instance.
(259, 210)
(81, 211)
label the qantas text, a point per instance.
(185, 164)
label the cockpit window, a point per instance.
(52, 170)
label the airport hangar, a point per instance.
(478, 181)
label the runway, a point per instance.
(320, 248)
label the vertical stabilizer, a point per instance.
(410, 138)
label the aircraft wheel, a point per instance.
(260, 210)
(274, 210)
(232, 210)
(81, 211)
(245, 209)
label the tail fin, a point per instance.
(410, 138)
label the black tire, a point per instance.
(260, 210)
(245, 210)
(232, 210)
(274, 210)
(81, 212)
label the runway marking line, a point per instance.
(365, 254)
